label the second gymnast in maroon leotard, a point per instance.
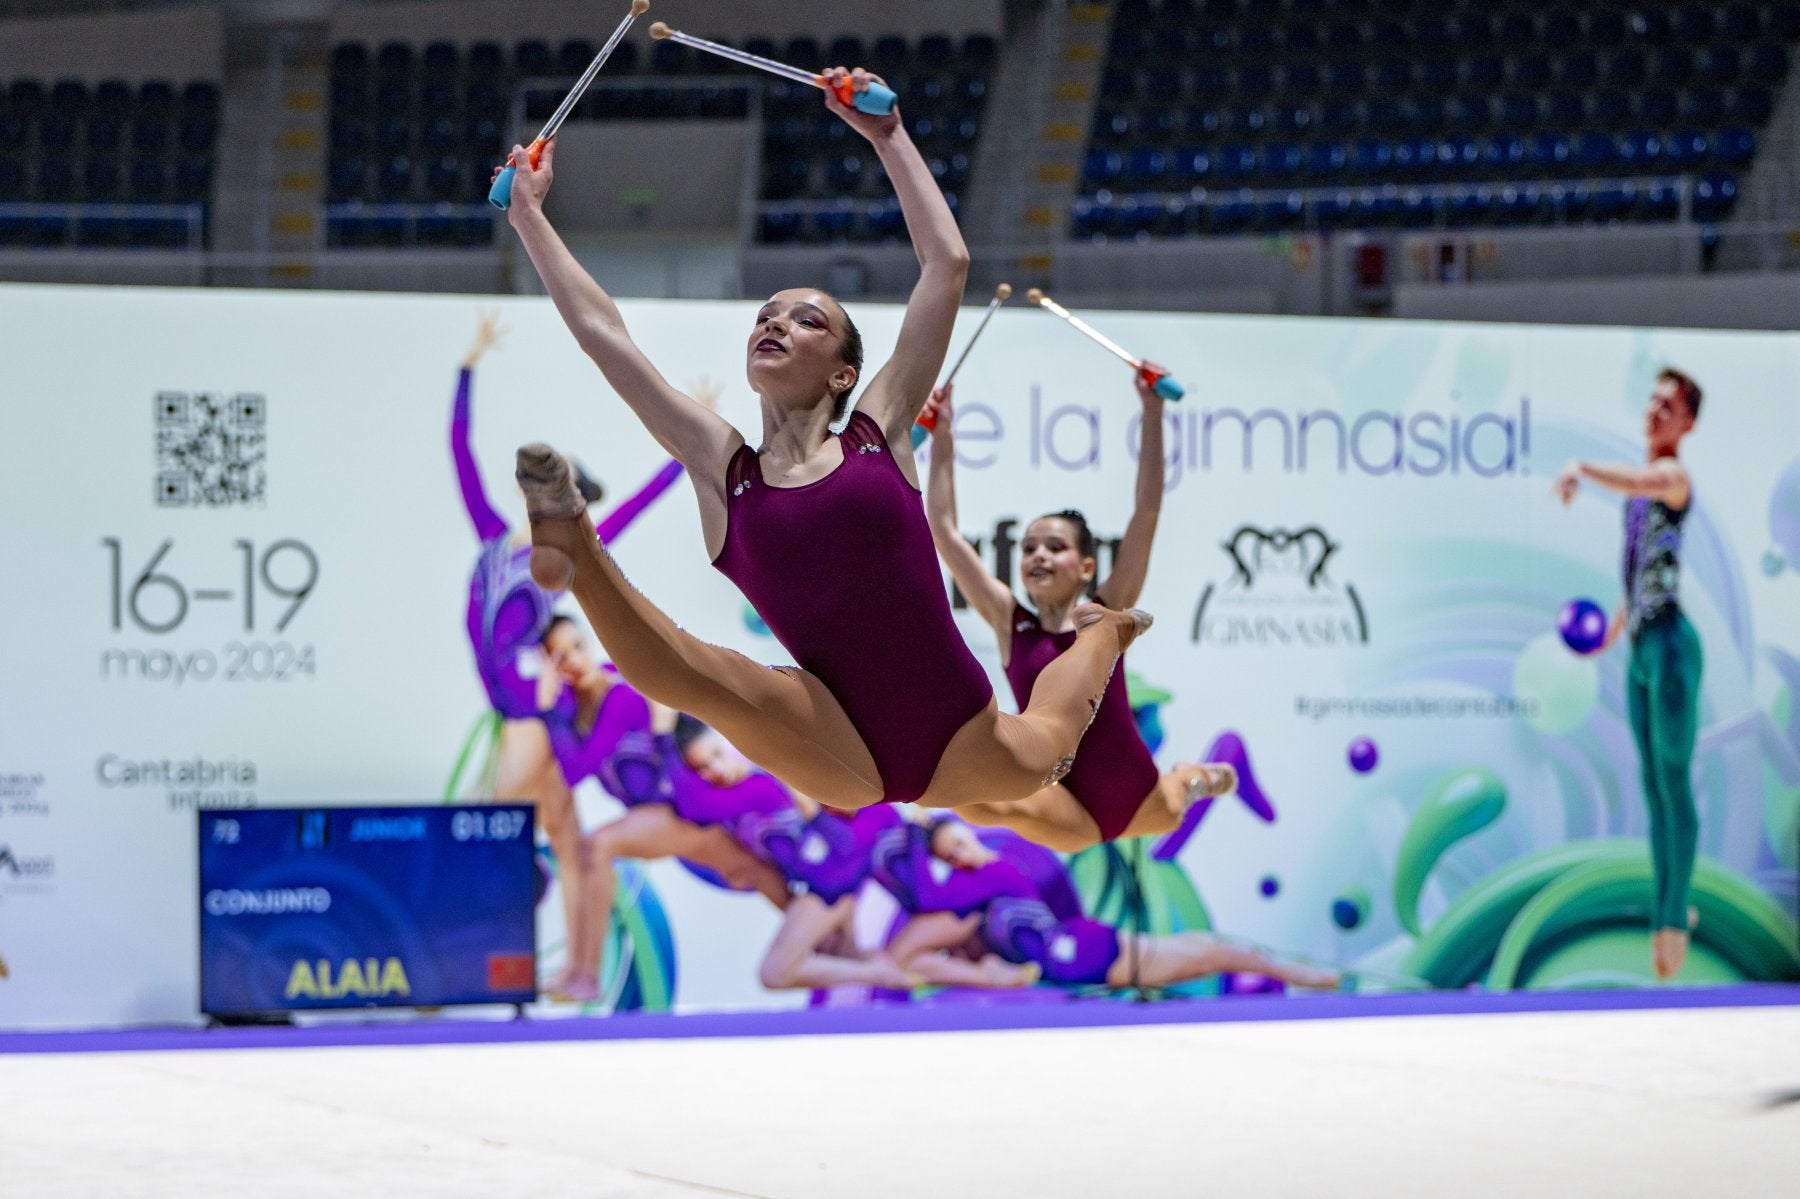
(1113, 788)
(825, 533)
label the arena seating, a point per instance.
(411, 127)
(88, 147)
(1266, 116)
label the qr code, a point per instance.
(210, 449)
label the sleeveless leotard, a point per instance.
(507, 612)
(699, 802)
(1652, 566)
(616, 750)
(825, 855)
(844, 573)
(1113, 770)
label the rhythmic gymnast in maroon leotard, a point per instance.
(1113, 789)
(825, 534)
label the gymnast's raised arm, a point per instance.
(699, 439)
(900, 389)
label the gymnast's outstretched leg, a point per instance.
(783, 720)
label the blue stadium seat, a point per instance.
(1624, 68)
(1255, 81)
(1717, 64)
(69, 97)
(1565, 109)
(104, 133)
(1371, 157)
(1658, 105)
(1605, 28)
(1740, 23)
(1279, 214)
(1649, 24)
(1641, 151)
(1614, 200)
(96, 229)
(1280, 161)
(26, 96)
(1192, 165)
(1343, 36)
(1302, 79)
(345, 180)
(1087, 218)
(1560, 27)
(1302, 38)
(55, 130)
(1418, 210)
(531, 58)
(1471, 30)
(935, 50)
(848, 50)
(112, 98)
(1331, 212)
(1768, 62)
(1703, 106)
(55, 180)
(1532, 69)
(440, 134)
(200, 98)
(444, 179)
(351, 94)
(1595, 152)
(1611, 108)
(1459, 156)
(1659, 200)
(882, 220)
(1146, 167)
(1515, 204)
(574, 55)
(1674, 65)
(1515, 30)
(15, 131)
(1382, 115)
(1236, 163)
(393, 182)
(1100, 168)
(1295, 119)
(1326, 160)
(193, 180)
(349, 58)
(1470, 112)
(1504, 153)
(890, 52)
(980, 49)
(146, 182)
(1468, 206)
(439, 60)
(1686, 148)
(1567, 203)
(1169, 43)
(155, 97)
(1518, 110)
(1578, 68)
(1714, 196)
(486, 60)
(481, 135)
(1693, 23)
(1484, 72)
(1414, 158)
(1340, 116)
(1345, 76)
(1549, 152)
(395, 95)
(394, 58)
(1393, 75)
(1750, 105)
(1438, 75)
(12, 180)
(1734, 147)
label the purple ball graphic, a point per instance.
(1270, 886)
(1363, 755)
(1582, 625)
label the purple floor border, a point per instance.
(896, 1018)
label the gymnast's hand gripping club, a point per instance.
(928, 419)
(1154, 377)
(877, 100)
(500, 194)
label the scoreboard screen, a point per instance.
(418, 906)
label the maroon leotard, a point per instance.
(1113, 771)
(844, 573)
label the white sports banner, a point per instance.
(238, 565)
